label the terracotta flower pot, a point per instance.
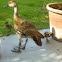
(55, 18)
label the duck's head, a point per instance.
(12, 4)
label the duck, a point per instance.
(24, 28)
(47, 35)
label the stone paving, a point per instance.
(46, 53)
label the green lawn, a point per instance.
(31, 10)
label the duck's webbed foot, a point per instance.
(16, 49)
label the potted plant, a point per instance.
(55, 19)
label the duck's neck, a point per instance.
(15, 12)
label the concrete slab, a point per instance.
(0, 48)
(46, 53)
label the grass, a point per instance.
(31, 10)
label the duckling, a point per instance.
(47, 35)
(8, 26)
(24, 28)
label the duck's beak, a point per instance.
(5, 6)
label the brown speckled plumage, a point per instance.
(26, 28)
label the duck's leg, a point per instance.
(17, 48)
(25, 44)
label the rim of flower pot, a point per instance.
(52, 9)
